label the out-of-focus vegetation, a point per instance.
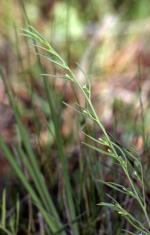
(48, 120)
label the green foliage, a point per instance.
(129, 164)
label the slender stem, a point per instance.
(94, 114)
(137, 197)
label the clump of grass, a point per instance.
(130, 164)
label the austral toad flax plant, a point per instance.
(125, 159)
(130, 164)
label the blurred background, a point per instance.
(105, 42)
